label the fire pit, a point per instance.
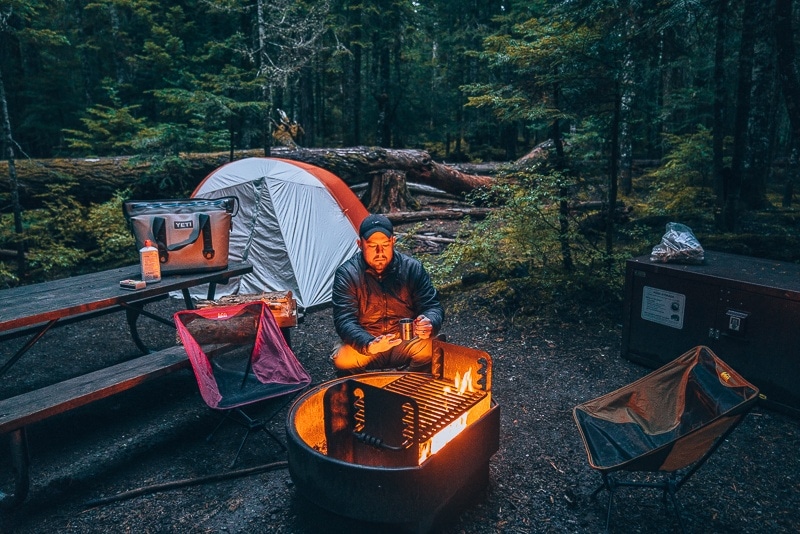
(402, 449)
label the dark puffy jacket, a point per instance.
(366, 305)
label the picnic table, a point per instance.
(35, 309)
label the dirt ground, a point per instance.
(140, 462)
(540, 480)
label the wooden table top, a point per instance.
(57, 299)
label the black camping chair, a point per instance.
(240, 357)
(669, 422)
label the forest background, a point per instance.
(612, 117)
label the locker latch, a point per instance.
(737, 321)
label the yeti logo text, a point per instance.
(184, 225)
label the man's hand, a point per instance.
(423, 328)
(383, 343)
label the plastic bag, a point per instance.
(678, 245)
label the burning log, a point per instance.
(407, 420)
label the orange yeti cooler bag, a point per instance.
(191, 235)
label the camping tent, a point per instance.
(296, 224)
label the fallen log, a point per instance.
(590, 205)
(433, 239)
(448, 213)
(354, 164)
(482, 169)
(420, 189)
(98, 179)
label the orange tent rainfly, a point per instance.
(296, 224)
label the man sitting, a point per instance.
(372, 291)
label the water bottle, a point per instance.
(151, 265)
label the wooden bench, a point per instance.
(32, 310)
(16, 413)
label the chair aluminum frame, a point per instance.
(670, 422)
(240, 357)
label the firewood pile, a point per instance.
(281, 303)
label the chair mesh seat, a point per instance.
(239, 357)
(670, 420)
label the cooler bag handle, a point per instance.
(158, 229)
(208, 245)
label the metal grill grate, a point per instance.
(439, 405)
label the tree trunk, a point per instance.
(744, 86)
(719, 106)
(627, 96)
(613, 172)
(764, 120)
(7, 143)
(382, 97)
(791, 176)
(388, 192)
(790, 85)
(790, 81)
(266, 87)
(355, 94)
(563, 207)
(99, 178)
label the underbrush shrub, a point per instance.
(114, 245)
(55, 235)
(65, 238)
(524, 257)
(682, 184)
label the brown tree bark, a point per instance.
(730, 213)
(98, 179)
(388, 192)
(7, 144)
(355, 164)
(387, 170)
(790, 84)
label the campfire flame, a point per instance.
(442, 438)
(461, 384)
(464, 383)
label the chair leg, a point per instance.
(241, 446)
(222, 419)
(671, 489)
(254, 424)
(251, 424)
(608, 484)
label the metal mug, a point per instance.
(406, 329)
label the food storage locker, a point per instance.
(746, 310)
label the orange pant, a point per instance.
(413, 356)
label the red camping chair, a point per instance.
(669, 421)
(240, 357)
